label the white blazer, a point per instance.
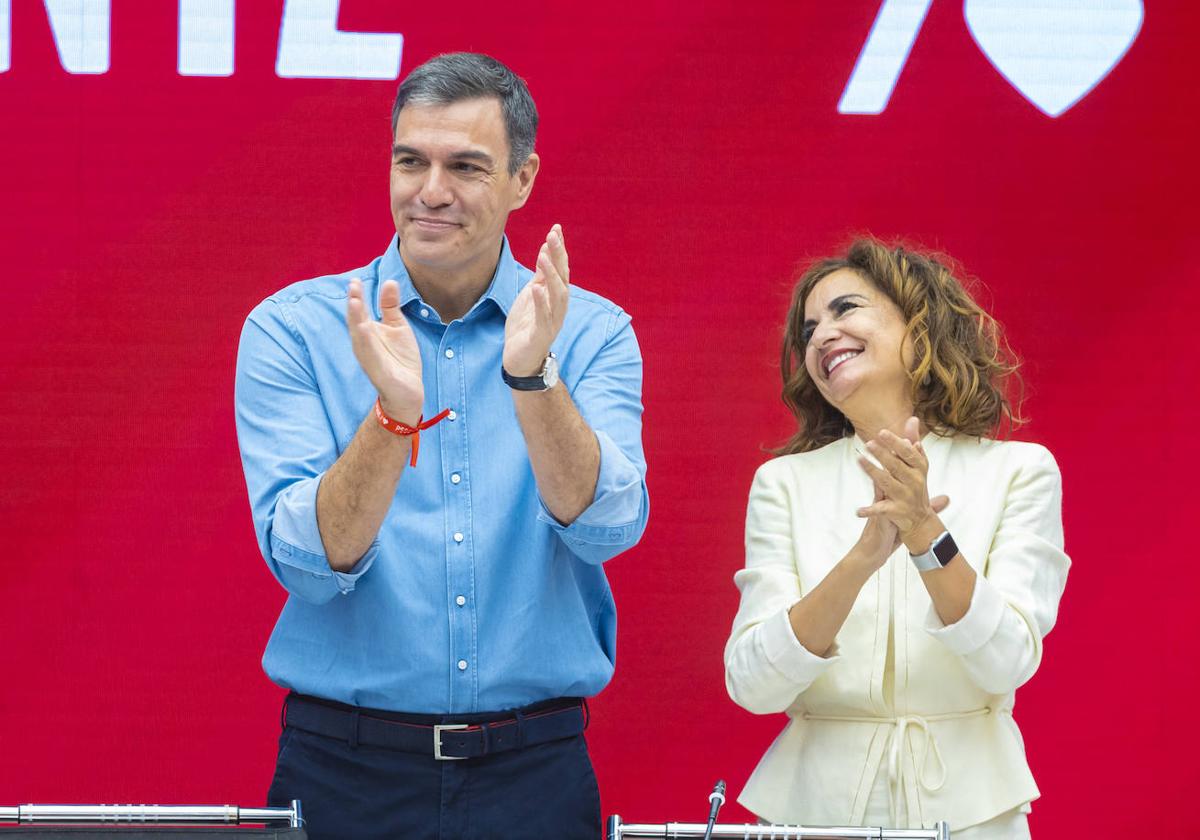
(931, 702)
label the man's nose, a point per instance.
(435, 191)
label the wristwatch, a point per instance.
(941, 552)
(544, 381)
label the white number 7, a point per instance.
(883, 56)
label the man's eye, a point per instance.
(407, 161)
(467, 167)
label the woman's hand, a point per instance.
(901, 495)
(878, 540)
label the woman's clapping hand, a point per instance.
(901, 504)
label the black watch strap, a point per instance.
(523, 383)
(544, 381)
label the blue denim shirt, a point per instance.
(472, 597)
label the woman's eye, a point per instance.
(806, 335)
(844, 307)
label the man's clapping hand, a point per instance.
(387, 351)
(538, 312)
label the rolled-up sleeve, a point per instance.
(766, 667)
(285, 451)
(1015, 602)
(609, 398)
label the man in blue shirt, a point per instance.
(446, 592)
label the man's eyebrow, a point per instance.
(466, 154)
(471, 154)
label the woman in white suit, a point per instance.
(893, 626)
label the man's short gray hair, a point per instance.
(454, 77)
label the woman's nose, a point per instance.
(824, 333)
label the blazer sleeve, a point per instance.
(766, 667)
(1015, 602)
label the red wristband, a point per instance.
(405, 430)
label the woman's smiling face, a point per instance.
(855, 348)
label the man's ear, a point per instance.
(525, 177)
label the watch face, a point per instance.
(550, 371)
(945, 549)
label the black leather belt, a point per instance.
(439, 736)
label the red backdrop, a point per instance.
(694, 153)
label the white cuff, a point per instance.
(784, 651)
(976, 628)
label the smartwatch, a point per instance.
(941, 552)
(544, 381)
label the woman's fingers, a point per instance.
(882, 478)
(880, 508)
(902, 449)
(894, 464)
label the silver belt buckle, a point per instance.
(438, 729)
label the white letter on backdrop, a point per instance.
(5, 35)
(310, 46)
(883, 56)
(80, 30)
(206, 37)
(81, 33)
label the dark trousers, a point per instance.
(361, 792)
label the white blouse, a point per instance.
(934, 702)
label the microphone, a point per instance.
(715, 799)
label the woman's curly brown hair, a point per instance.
(963, 368)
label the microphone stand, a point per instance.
(715, 800)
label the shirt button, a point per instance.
(449, 353)
(455, 478)
(424, 313)
(452, 416)
(462, 664)
(461, 600)
(458, 537)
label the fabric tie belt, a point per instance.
(899, 783)
(437, 735)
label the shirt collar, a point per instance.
(502, 290)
